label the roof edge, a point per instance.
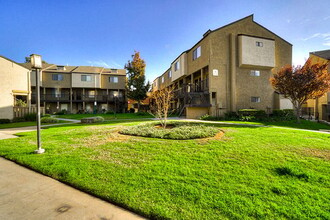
(14, 62)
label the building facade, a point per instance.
(319, 108)
(227, 70)
(80, 89)
(15, 87)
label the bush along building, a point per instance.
(227, 70)
(319, 108)
(80, 89)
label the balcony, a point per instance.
(77, 98)
(194, 95)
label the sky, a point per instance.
(107, 32)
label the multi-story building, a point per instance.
(15, 86)
(319, 108)
(227, 70)
(80, 89)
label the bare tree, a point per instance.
(161, 104)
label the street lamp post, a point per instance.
(37, 65)
(115, 99)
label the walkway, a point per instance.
(9, 132)
(26, 194)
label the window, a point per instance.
(170, 74)
(255, 73)
(162, 79)
(177, 66)
(57, 77)
(255, 99)
(60, 68)
(197, 53)
(87, 78)
(113, 79)
(114, 70)
(259, 44)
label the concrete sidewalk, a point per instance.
(26, 194)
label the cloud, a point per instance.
(322, 37)
(326, 18)
(98, 63)
(311, 37)
(101, 63)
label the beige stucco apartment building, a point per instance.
(15, 85)
(80, 89)
(319, 107)
(227, 70)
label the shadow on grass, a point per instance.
(292, 172)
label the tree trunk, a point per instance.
(138, 105)
(297, 108)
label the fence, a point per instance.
(20, 112)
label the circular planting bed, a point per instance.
(174, 130)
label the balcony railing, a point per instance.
(198, 87)
(78, 98)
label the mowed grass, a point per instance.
(106, 116)
(26, 124)
(250, 173)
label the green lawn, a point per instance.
(305, 124)
(106, 116)
(25, 124)
(250, 173)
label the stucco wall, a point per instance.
(182, 70)
(252, 55)
(106, 84)
(48, 82)
(14, 79)
(196, 112)
(77, 83)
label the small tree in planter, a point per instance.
(161, 104)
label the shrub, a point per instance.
(4, 121)
(62, 112)
(99, 119)
(49, 120)
(30, 117)
(285, 114)
(110, 112)
(142, 113)
(231, 116)
(210, 118)
(252, 115)
(19, 119)
(45, 115)
(180, 131)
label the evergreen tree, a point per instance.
(135, 85)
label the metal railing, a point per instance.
(78, 97)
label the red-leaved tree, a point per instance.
(302, 83)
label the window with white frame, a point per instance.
(162, 79)
(255, 73)
(259, 44)
(255, 99)
(197, 53)
(177, 65)
(113, 79)
(86, 78)
(170, 74)
(57, 77)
